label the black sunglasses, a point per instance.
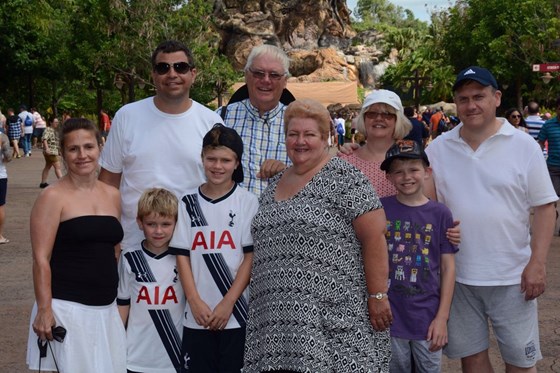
(163, 68)
(59, 333)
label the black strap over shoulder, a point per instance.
(243, 92)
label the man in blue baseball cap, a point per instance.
(475, 74)
(491, 175)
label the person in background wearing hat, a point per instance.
(491, 175)
(214, 248)
(421, 262)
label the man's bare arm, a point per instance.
(110, 178)
(533, 278)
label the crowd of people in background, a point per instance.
(236, 239)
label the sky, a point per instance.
(418, 7)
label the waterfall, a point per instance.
(367, 75)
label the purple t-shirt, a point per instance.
(415, 239)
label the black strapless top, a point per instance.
(83, 263)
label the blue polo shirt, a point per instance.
(551, 131)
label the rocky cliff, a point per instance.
(316, 34)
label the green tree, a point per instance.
(72, 55)
(195, 23)
(24, 44)
(415, 44)
(435, 75)
(376, 12)
(507, 37)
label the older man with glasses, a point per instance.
(259, 118)
(157, 141)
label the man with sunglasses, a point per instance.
(259, 118)
(157, 142)
(491, 176)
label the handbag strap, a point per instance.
(39, 342)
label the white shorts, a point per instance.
(95, 340)
(514, 322)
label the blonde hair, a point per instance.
(308, 108)
(402, 125)
(157, 201)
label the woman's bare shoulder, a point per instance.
(51, 199)
(109, 190)
(112, 196)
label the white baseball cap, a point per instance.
(383, 96)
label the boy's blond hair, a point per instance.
(157, 201)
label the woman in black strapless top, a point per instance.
(75, 232)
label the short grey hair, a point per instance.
(269, 50)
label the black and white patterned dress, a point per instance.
(308, 296)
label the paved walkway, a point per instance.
(16, 292)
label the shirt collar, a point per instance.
(506, 129)
(267, 114)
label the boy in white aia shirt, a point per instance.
(214, 249)
(150, 297)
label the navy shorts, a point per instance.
(38, 132)
(213, 351)
(3, 191)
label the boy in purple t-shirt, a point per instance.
(421, 262)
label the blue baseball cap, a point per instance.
(478, 74)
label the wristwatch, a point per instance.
(378, 296)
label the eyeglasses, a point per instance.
(385, 115)
(163, 68)
(515, 116)
(260, 75)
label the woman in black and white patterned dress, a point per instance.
(319, 281)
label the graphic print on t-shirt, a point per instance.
(409, 256)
